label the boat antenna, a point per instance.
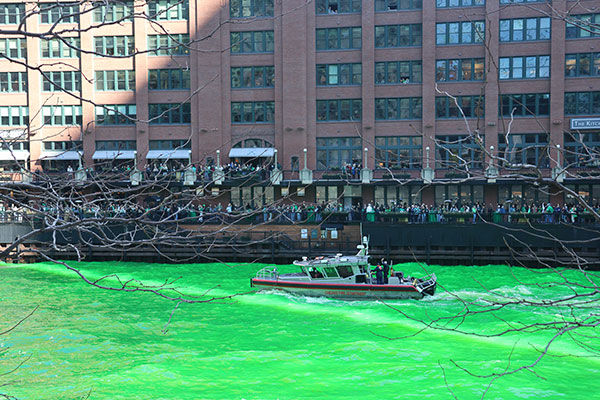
(361, 226)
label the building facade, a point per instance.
(395, 86)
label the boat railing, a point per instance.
(268, 273)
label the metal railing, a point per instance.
(268, 273)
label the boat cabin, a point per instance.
(337, 267)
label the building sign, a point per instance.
(13, 134)
(585, 123)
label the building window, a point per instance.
(169, 45)
(252, 144)
(112, 145)
(54, 165)
(61, 115)
(339, 74)
(169, 79)
(395, 5)
(253, 196)
(12, 164)
(582, 150)
(60, 48)
(460, 32)
(326, 194)
(394, 72)
(335, 153)
(524, 29)
(527, 148)
(170, 144)
(338, 6)
(119, 46)
(13, 82)
(14, 116)
(401, 195)
(524, 105)
(116, 114)
(458, 152)
(582, 64)
(111, 11)
(250, 8)
(123, 80)
(397, 108)
(589, 193)
(253, 112)
(253, 77)
(14, 146)
(398, 152)
(59, 13)
(170, 114)
(55, 81)
(528, 67)
(583, 26)
(582, 103)
(522, 195)
(11, 13)
(398, 35)
(339, 38)
(471, 106)
(252, 42)
(466, 69)
(295, 163)
(459, 194)
(459, 3)
(13, 48)
(64, 145)
(339, 110)
(168, 10)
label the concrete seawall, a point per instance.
(450, 244)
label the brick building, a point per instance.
(353, 82)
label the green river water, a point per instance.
(270, 345)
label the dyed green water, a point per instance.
(266, 346)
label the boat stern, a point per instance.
(427, 285)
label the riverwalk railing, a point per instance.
(279, 217)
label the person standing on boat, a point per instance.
(386, 270)
(379, 274)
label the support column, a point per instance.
(428, 87)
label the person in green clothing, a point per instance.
(573, 212)
(370, 213)
(311, 213)
(549, 212)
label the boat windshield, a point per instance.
(314, 272)
(345, 271)
(330, 272)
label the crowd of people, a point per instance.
(171, 170)
(156, 209)
(477, 212)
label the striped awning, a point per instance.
(71, 155)
(20, 155)
(178, 154)
(252, 152)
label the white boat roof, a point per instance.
(336, 260)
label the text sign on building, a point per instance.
(585, 123)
